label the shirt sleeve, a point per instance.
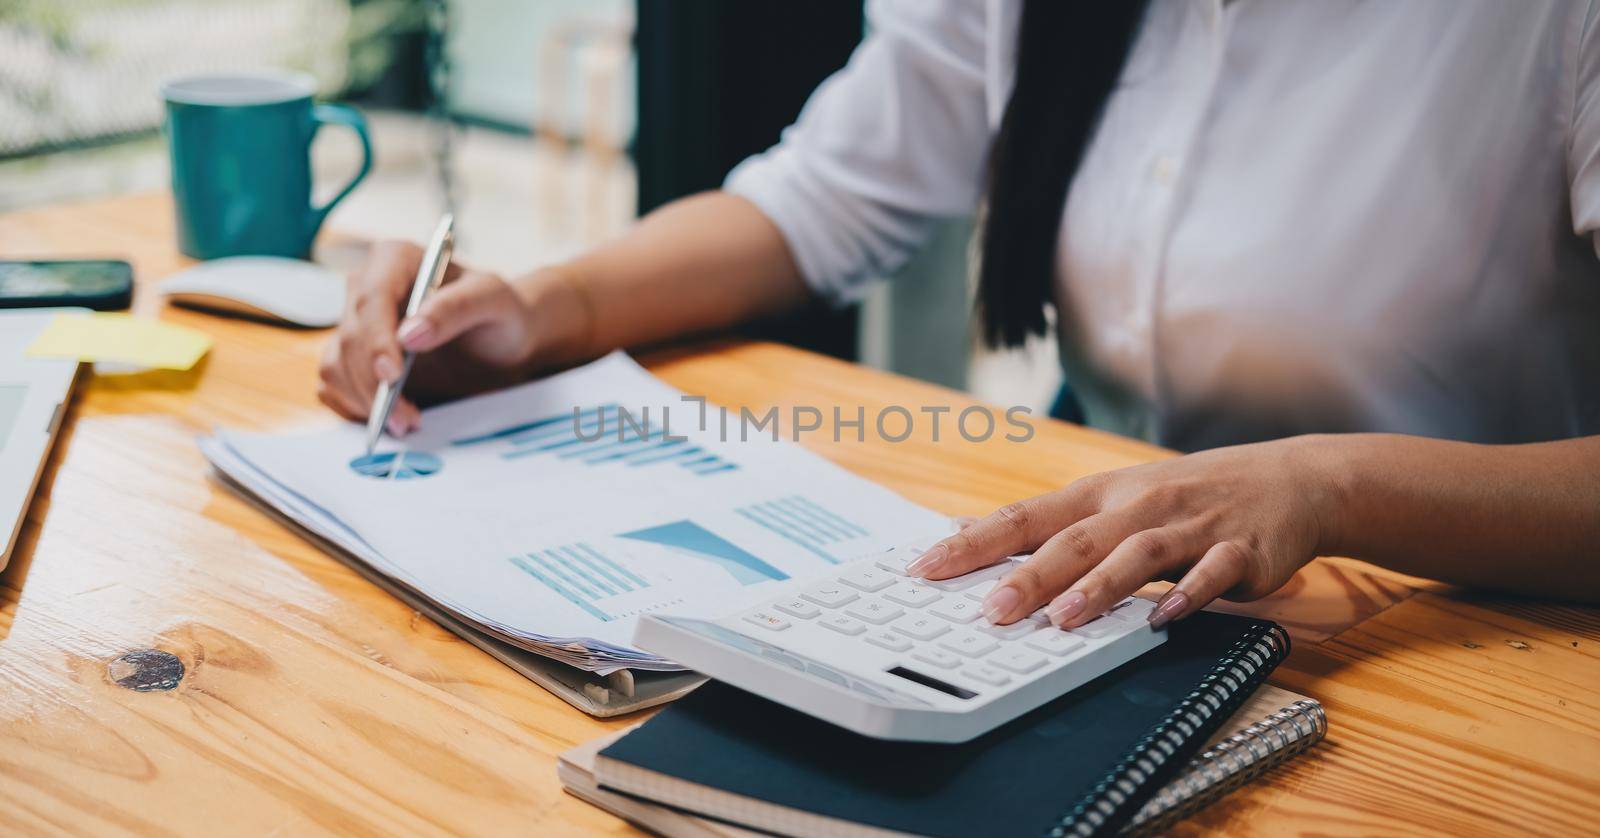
(1583, 151)
(885, 147)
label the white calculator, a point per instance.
(886, 655)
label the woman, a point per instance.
(1347, 249)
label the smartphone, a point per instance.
(99, 284)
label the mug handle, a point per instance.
(328, 114)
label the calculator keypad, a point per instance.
(935, 626)
(921, 626)
(843, 625)
(870, 579)
(767, 620)
(961, 611)
(988, 675)
(830, 594)
(912, 594)
(886, 639)
(874, 611)
(943, 660)
(969, 643)
(797, 607)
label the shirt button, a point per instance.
(1165, 170)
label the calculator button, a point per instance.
(874, 611)
(1101, 626)
(981, 590)
(920, 626)
(1116, 618)
(1133, 610)
(797, 608)
(844, 625)
(988, 574)
(1020, 661)
(943, 660)
(987, 674)
(969, 643)
(923, 544)
(869, 579)
(1016, 631)
(888, 640)
(895, 561)
(914, 595)
(1053, 641)
(767, 620)
(956, 610)
(829, 594)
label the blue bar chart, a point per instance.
(603, 580)
(582, 575)
(808, 524)
(691, 539)
(605, 434)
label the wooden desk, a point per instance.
(314, 702)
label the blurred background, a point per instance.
(547, 125)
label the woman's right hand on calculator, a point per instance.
(477, 332)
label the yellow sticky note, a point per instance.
(120, 338)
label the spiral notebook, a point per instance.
(1090, 762)
(1273, 726)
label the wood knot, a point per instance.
(146, 670)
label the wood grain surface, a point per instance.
(310, 701)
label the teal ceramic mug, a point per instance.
(241, 162)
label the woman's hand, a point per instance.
(477, 332)
(1234, 522)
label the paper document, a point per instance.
(553, 514)
(122, 339)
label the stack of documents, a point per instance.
(553, 514)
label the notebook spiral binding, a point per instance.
(1163, 751)
(1231, 763)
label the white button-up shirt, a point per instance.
(1295, 216)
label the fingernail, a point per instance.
(395, 426)
(384, 367)
(1170, 606)
(1000, 602)
(414, 332)
(929, 561)
(1067, 607)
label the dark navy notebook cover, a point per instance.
(1019, 779)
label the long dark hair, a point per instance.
(1069, 56)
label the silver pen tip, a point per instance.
(374, 433)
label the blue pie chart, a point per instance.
(397, 465)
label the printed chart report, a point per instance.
(601, 434)
(551, 515)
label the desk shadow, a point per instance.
(1579, 619)
(248, 317)
(1319, 602)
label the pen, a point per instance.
(429, 274)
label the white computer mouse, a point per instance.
(265, 287)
